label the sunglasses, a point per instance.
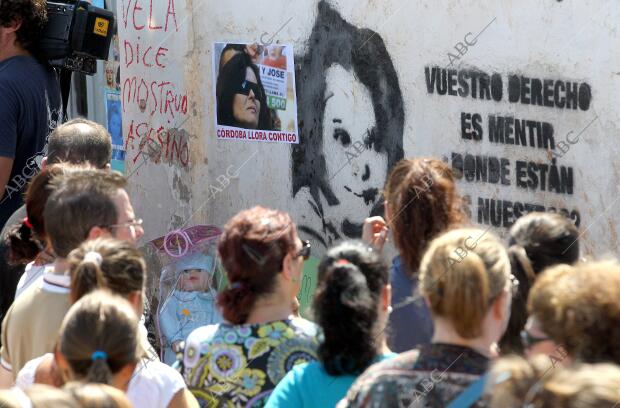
(527, 340)
(247, 86)
(305, 250)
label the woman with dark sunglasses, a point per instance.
(241, 98)
(241, 360)
(542, 309)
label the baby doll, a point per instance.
(190, 302)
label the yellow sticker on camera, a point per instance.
(101, 27)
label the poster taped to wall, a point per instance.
(115, 127)
(255, 92)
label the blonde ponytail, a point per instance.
(467, 291)
(461, 273)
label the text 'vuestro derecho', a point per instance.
(520, 132)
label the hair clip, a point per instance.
(27, 223)
(94, 257)
(236, 285)
(99, 355)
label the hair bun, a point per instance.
(345, 278)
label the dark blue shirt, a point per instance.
(30, 108)
(410, 320)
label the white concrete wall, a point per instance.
(543, 39)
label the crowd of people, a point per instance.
(460, 318)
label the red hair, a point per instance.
(423, 201)
(252, 248)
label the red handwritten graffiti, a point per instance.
(144, 55)
(157, 96)
(162, 100)
(173, 143)
(141, 20)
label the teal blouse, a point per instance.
(309, 385)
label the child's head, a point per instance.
(97, 395)
(111, 264)
(194, 272)
(37, 396)
(99, 340)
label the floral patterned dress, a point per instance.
(239, 365)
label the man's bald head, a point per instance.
(80, 141)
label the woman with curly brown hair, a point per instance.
(577, 308)
(421, 202)
(241, 360)
(516, 382)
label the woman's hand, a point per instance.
(375, 232)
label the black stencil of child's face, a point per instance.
(355, 170)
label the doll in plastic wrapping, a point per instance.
(190, 303)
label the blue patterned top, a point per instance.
(430, 376)
(240, 365)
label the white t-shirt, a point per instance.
(30, 275)
(25, 377)
(152, 385)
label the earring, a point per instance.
(389, 309)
